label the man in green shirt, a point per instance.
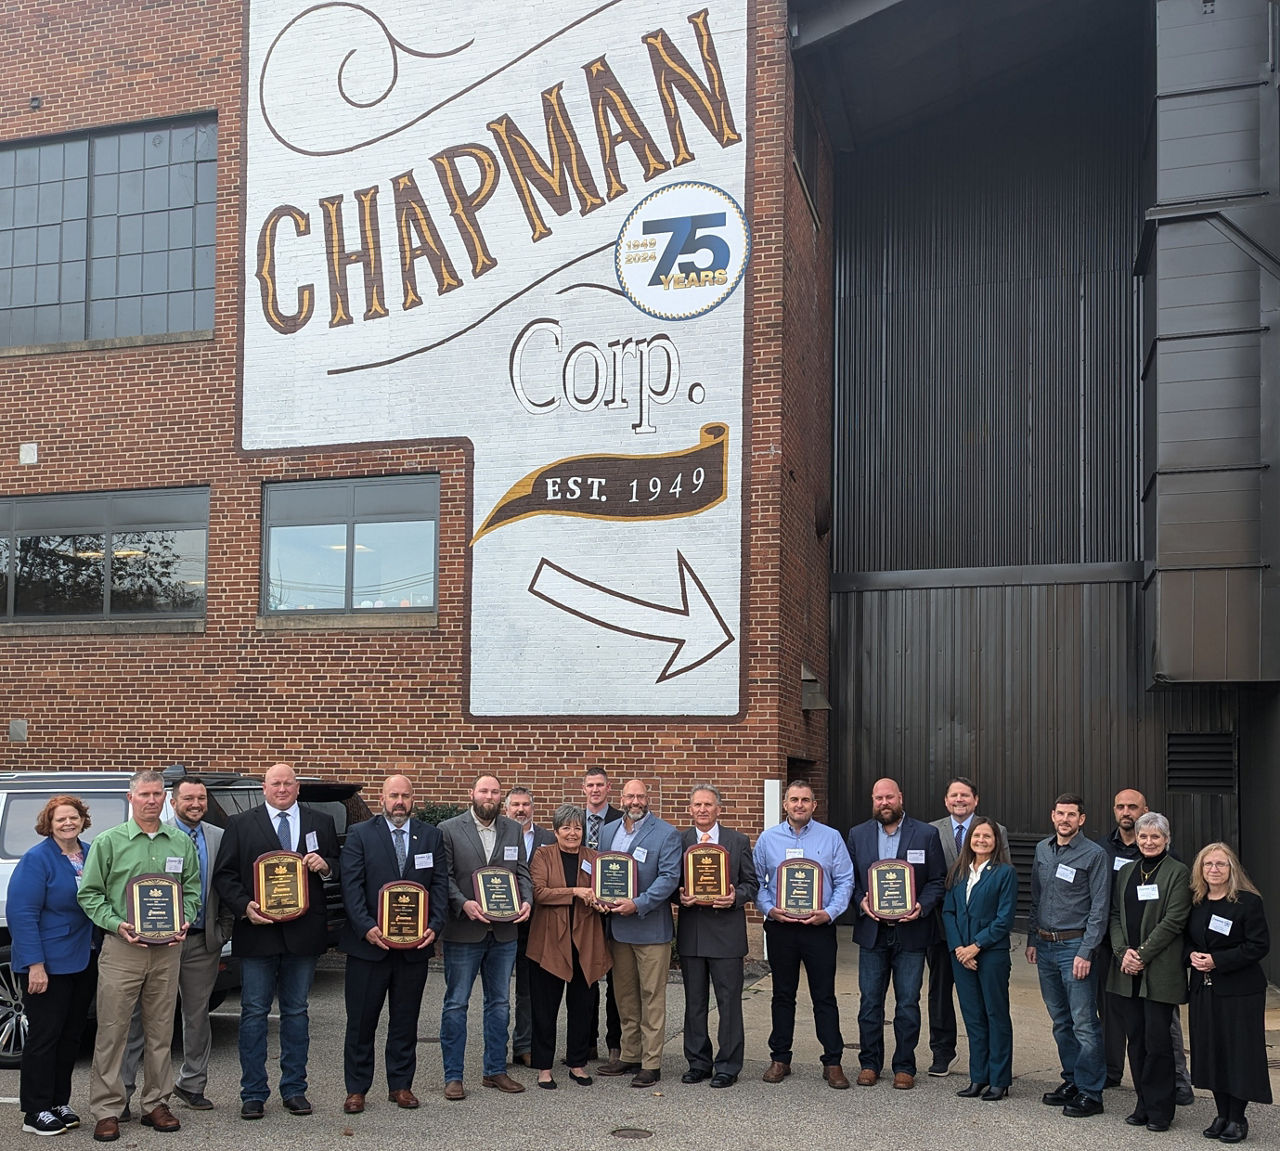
(131, 970)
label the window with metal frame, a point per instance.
(108, 235)
(351, 546)
(104, 554)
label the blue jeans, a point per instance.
(875, 965)
(262, 979)
(493, 962)
(1073, 1007)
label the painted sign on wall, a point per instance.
(523, 224)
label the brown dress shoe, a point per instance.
(617, 1067)
(903, 1082)
(868, 1078)
(834, 1074)
(453, 1090)
(354, 1104)
(403, 1097)
(161, 1119)
(503, 1082)
(107, 1130)
(776, 1072)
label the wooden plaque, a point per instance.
(153, 904)
(402, 913)
(891, 888)
(616, 877)
(706, 872)
(497, 892)
(799, 888)
(280, 886)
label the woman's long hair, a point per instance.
(1237, 880)
(964, 860)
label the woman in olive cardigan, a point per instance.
(1149, 907)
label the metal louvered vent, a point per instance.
(1201, 761)
(1022, 854)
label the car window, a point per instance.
(335, 809)
(18, 826)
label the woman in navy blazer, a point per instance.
(977, 913)
(54, 959)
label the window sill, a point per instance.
(103, 627)
(107, 345)
(340, 621)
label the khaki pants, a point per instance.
(640, 986)
(129, 975)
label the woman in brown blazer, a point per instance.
(567, 950)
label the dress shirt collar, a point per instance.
(713, 831)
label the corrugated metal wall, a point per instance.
(986, 386)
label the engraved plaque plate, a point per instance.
(616, 877)
(153, 904)
(799, 888)
(706, 872)
(891, 888)
(402, 913)
(280, 886)
(497, 892)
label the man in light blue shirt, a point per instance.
(811, 939)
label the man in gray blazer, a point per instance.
(473, 943)
(201, 951)
(642, 929)
(712, 941)
(961, 802)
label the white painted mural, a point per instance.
(523, 224)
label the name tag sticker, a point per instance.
(173, 863)
(313, 841)
(1220, 924)
(1065, 873)
(586, 866)
(424, 859)
(1118, 862)
(510, 853)
(915, 856)
(641, 854)
(795, 852)
(1148, 892)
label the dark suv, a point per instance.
(24, 794)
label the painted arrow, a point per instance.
(695, 627)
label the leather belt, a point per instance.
(1061, 936)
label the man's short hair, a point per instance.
(485, 775)
(1069, 799)
(799, 783)
(973, 787)
(518, 790)
(697, 787)
(594, 771)
(177, 784)
(140, 777)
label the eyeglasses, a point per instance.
(1214, 865)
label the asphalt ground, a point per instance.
(801, 1112)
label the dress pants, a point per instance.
(790, 945)
(984, 1002)
(700, 974)
(1146, 1025)
(55, 1023)
(545, 993)
(1114, 1039)
(369, 984)
(640, 983)
(522, 1027)
(612, 1024)
(128, 975)
(942, 1006)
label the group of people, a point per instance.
(1114, 929)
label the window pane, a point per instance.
(59, 575)
(307, 568)
(395, 565)
(157, 572)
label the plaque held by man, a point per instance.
(402, 913)
(497, 892)
(891, 889)
(706, 872)
(280, 886)
(799, 888)
(616, 877)
(153, 905)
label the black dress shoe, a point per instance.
(1065, 1093)
(1234, 1132)
(1081, 1107)
(723, 1079)
(1158, 1125)
(972, 1091)
(251, 1109)
(1137, 1119)
(297, 1105)
(995, 1094)
(1215, 1128)
(695, 1075)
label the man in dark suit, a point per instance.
(599, 812)
(276, 959)
(475, 944)
(961, 802)
(389, 848)
(893, 947)
(519, 806)
(712, 941)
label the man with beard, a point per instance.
(810, 940)
(519, 806)
(1122, 846)
(894, 947)
(476, 945)
(389, 848)
(642, 929)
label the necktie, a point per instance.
(401, 853)
(706, 837)
(204, 878)
(593, 834)
(282, 824)
(959, 839)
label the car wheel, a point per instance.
(13, 1014)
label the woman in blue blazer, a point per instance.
(53, 957)
(977, 913)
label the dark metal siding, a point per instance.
(985, 393)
